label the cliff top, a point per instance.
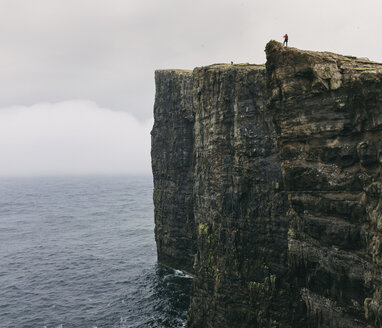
(238, 65)
(219, 66)
(313, 57)
(171, 70)
(227, 67)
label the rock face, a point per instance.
(270, 178)
(172, 160)
(239, 208)
(328, 115)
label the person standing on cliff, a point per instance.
(285, 43)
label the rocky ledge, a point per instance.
(267, 186)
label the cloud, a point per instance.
(72, 137)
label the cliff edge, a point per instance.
(267, 186)
(172, 160)
(328, 117)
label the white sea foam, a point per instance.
(182, 274)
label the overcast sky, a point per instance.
(83, 61)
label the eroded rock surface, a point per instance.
(328, 114)
(240, 210)
(172, 160)
(270, 178)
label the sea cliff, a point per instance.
(267, 187)
(173, 162)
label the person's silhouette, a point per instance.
(285, 43)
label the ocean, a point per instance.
(80, 252)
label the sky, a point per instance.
(77, 76)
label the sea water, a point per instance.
(80, 252)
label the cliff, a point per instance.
(328, 117)
(172, 160)
(268, 179)
(239, 208)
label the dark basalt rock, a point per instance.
(270, 178)
(329, 125)
(172, 159)
(367, 152)
(241, 276)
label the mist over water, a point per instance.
(73, 138)
(80, 252)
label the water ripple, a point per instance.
(80, 252)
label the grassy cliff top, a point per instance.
(171, 70)
(227, 66)
(218, 67)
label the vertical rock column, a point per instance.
(172, 159)
(240, 211)
(328, 116)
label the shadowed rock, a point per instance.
(172, 160)
(241, 264)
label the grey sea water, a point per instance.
(80, 252)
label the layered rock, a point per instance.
(271, 177)
(172, 160)
(240, 211)
(328, 115)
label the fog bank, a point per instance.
(70, 138)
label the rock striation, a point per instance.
(268, 187)
(172, 160)
(328, 117)
(239, 206)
